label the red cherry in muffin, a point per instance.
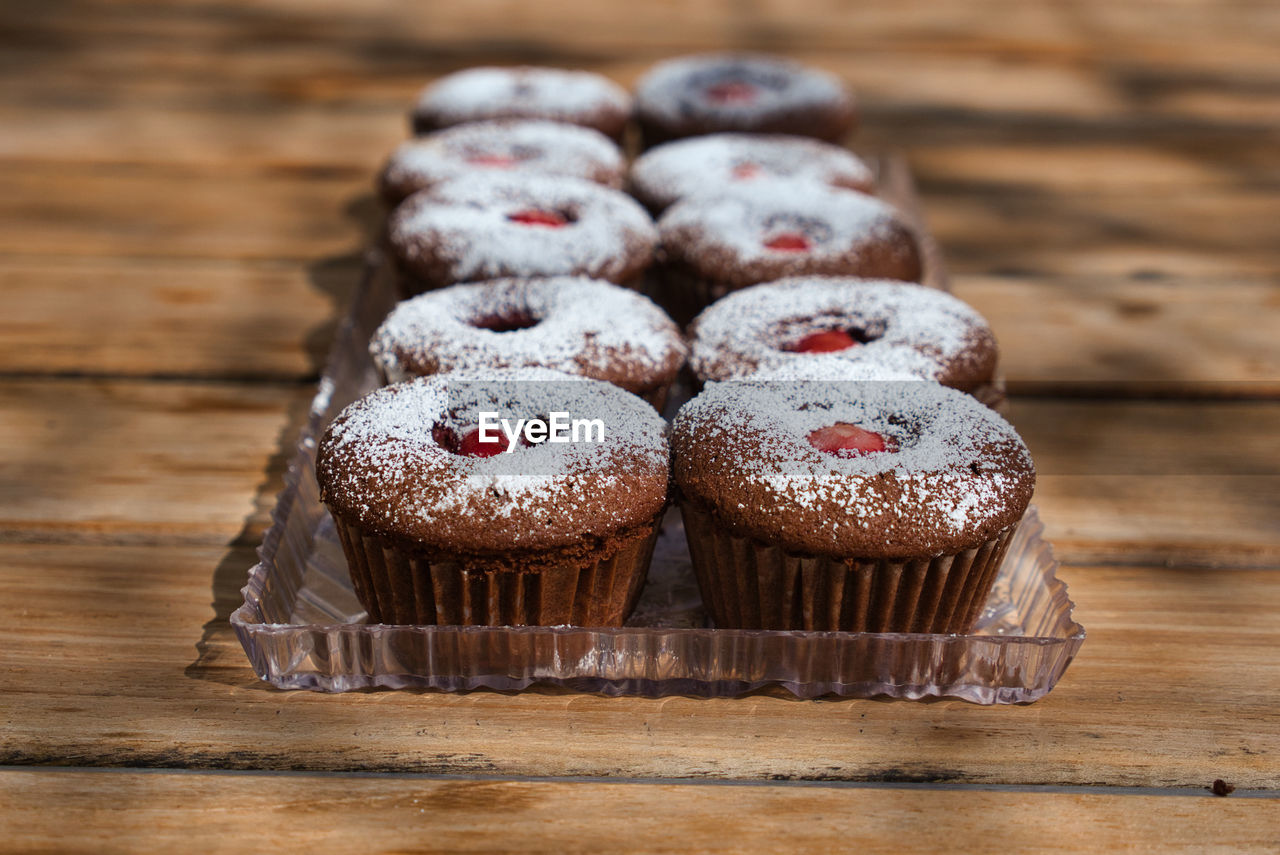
(845, 440)
(473, 446)
(731, 92)
(746, 171)
(493, 161)
(536, 217)
(788, 242)
(827, 341)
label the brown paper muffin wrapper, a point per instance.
(750, 585)
(397, 585)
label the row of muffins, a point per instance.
(836, 491)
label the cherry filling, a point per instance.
(536, 217)
(473, 446)
(827, 341)
(789, 242)
(493, 161)
(731, 92)
(746, 171)
(845, 440)
(505, 323)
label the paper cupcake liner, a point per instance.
(750, 585)
(398, 585)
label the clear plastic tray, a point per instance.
(303, 628)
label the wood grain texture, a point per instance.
(225, 813)
(106, 461)
(121, 656)
(131, 461)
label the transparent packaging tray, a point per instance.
(303, 628)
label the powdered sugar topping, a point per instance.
(677, 88)
(905, 328)
(462, 230)
(708, 164)
(572, 324)
(551, 93)
(383, 459)
(523, 145)
(737, 223)
(960, 472)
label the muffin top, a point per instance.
(524, 92)
(770, 229)
(572, 324)
(831, 321)
(489, 227)
(873, 469)
(752, 93)
(499, 146)
(707, 164)
(407, 461)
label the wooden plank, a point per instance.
(171, 318)
(109, 460)
(1125, 336)
(122, 656)
(146, 212)
(1075, 335)
(130, 812)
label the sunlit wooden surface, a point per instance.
(186, 194)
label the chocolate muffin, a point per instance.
(572, 324)
(513, 145)
(768, 230)
(827, 321)
(859, 507)
(751, 93)
(526, 92)
(490, 227)
(707, 165)
(443, 524)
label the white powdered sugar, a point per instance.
(674, 90)
(708, 164)
(383, 460)
(735, 224)
(905, 328)
(572, 324)
(957, 465)
(464, 228)
(550, 93)
(516, 145)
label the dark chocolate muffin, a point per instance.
(829, 320)
(872, 506)
(707, 165)
(526, 92)
(490, 227)
(572, 324)
(768, 230)
(443, 524)
(750, 93)
(501, 146)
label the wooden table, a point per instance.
(186, 193)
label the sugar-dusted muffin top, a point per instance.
(752, 93)
(769, 229)
(572, 324)
(489, 227)
(501, 146)
(825, 322)
(405, 462)
(871, 469)
(708, 164)
(524, 92)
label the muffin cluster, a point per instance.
(838, 468)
